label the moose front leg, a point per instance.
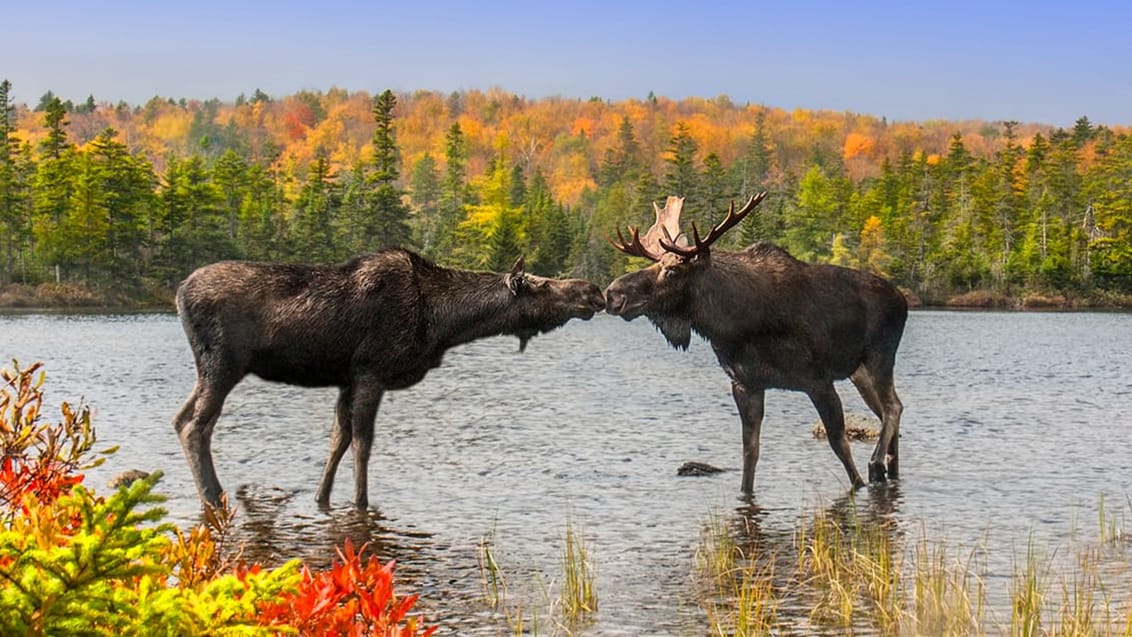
(751, 407)
(367, 399)
(828, 404)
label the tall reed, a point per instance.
(578, 595)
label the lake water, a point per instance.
(1016, 425)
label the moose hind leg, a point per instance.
(867, 388)
(828, 404)
(194, 425)
(880, 395)
(751, 408)
(340, 438)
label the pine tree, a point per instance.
(624, 161)
(55, 120)
(683, 180)
(680, 176)
(51, 191)
(14, 201)
(454, 196)
(549, 232)
(716, 197)
(230, 175)
(425, 197)
(754, 166)
(316, 216)
(388, 224)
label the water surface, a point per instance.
(1015, 427)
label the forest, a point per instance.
(123, 201)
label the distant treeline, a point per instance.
(132, 198)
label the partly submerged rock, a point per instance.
(857, 427)
(697, 469)
(126, 478)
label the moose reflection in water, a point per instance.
(773, 322)
(377, 323)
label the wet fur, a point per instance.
(376, 323)
(776, 322)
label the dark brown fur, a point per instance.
(776, 322)
(374, 324)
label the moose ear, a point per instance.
(516, 277)
(520, 265)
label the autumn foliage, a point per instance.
(131, 199)
(73, 562)
(353, 599)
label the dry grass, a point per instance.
(844, 573)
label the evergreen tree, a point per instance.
(683, 180)
(455, 194)
(259, 232)
(193, 223)
(425, 196)
(15, 202)
(230, 175)
(548, 230)
(754, 165)
(1109, 189)
(1006, 204)
(1083, 131)
(716, 197)
(55, 120)
(680, 177)
(389, 225)
(811, 223)
(51, 192)
(622, 162)
(316, 216)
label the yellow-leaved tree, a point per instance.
(870, 251)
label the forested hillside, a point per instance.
(130, 198)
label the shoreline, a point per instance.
(19, 298)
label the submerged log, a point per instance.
(697, 469)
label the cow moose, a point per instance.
(376, 323)
(774, 322)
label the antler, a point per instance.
(632, 248)
(652, 245)
(700, 246)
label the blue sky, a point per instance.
(1043, 62)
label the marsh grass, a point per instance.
(1028, 590)
(737, 589)
(491, 576)
(578, 595)
(1112, 528)
(842, 572)
(854, 569)
(539, 607)
(948, 595)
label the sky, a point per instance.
(1033, 62)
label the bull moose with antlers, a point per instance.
(377, 323)
(773, 322)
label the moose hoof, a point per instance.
(876, 472)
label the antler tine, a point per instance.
(669, 244)
(632, 248)
(729, 222)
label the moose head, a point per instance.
(663, 290)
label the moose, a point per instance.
(376, 323)
(774, 322)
